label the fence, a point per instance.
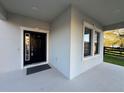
(114, 51)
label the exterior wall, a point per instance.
(27, 21)
(60, 43)
(77, 63)
(10, 40)
(66, 43)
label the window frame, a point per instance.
(89, 26)
(94, 29)
(88, 49)
(97, 42)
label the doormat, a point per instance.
(37, 69)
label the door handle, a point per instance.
(32, 51)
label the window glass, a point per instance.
(96, 42)
(87, 42)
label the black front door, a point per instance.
(35, 47)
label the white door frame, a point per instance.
(22, 48)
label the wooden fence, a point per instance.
(114, 51)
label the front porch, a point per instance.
(65, 34)
(104, 77)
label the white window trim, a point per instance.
(98, 42)
(22, 51)
(100, 38)
(90, 26)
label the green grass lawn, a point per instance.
(113, 60)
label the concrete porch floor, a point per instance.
(104, 77)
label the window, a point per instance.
(91, 40)
(96, 42)
(87, 42)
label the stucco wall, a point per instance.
(66, 43)
(20, 20)
(60, 43)
(77, 63)
(10, 40)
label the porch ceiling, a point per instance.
(106, 12)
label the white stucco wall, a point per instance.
(66, 44)
(10, 40)
(60, 43)
(27, 21)
(77, 63)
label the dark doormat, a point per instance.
(37, 69)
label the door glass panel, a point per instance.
(27, 47)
